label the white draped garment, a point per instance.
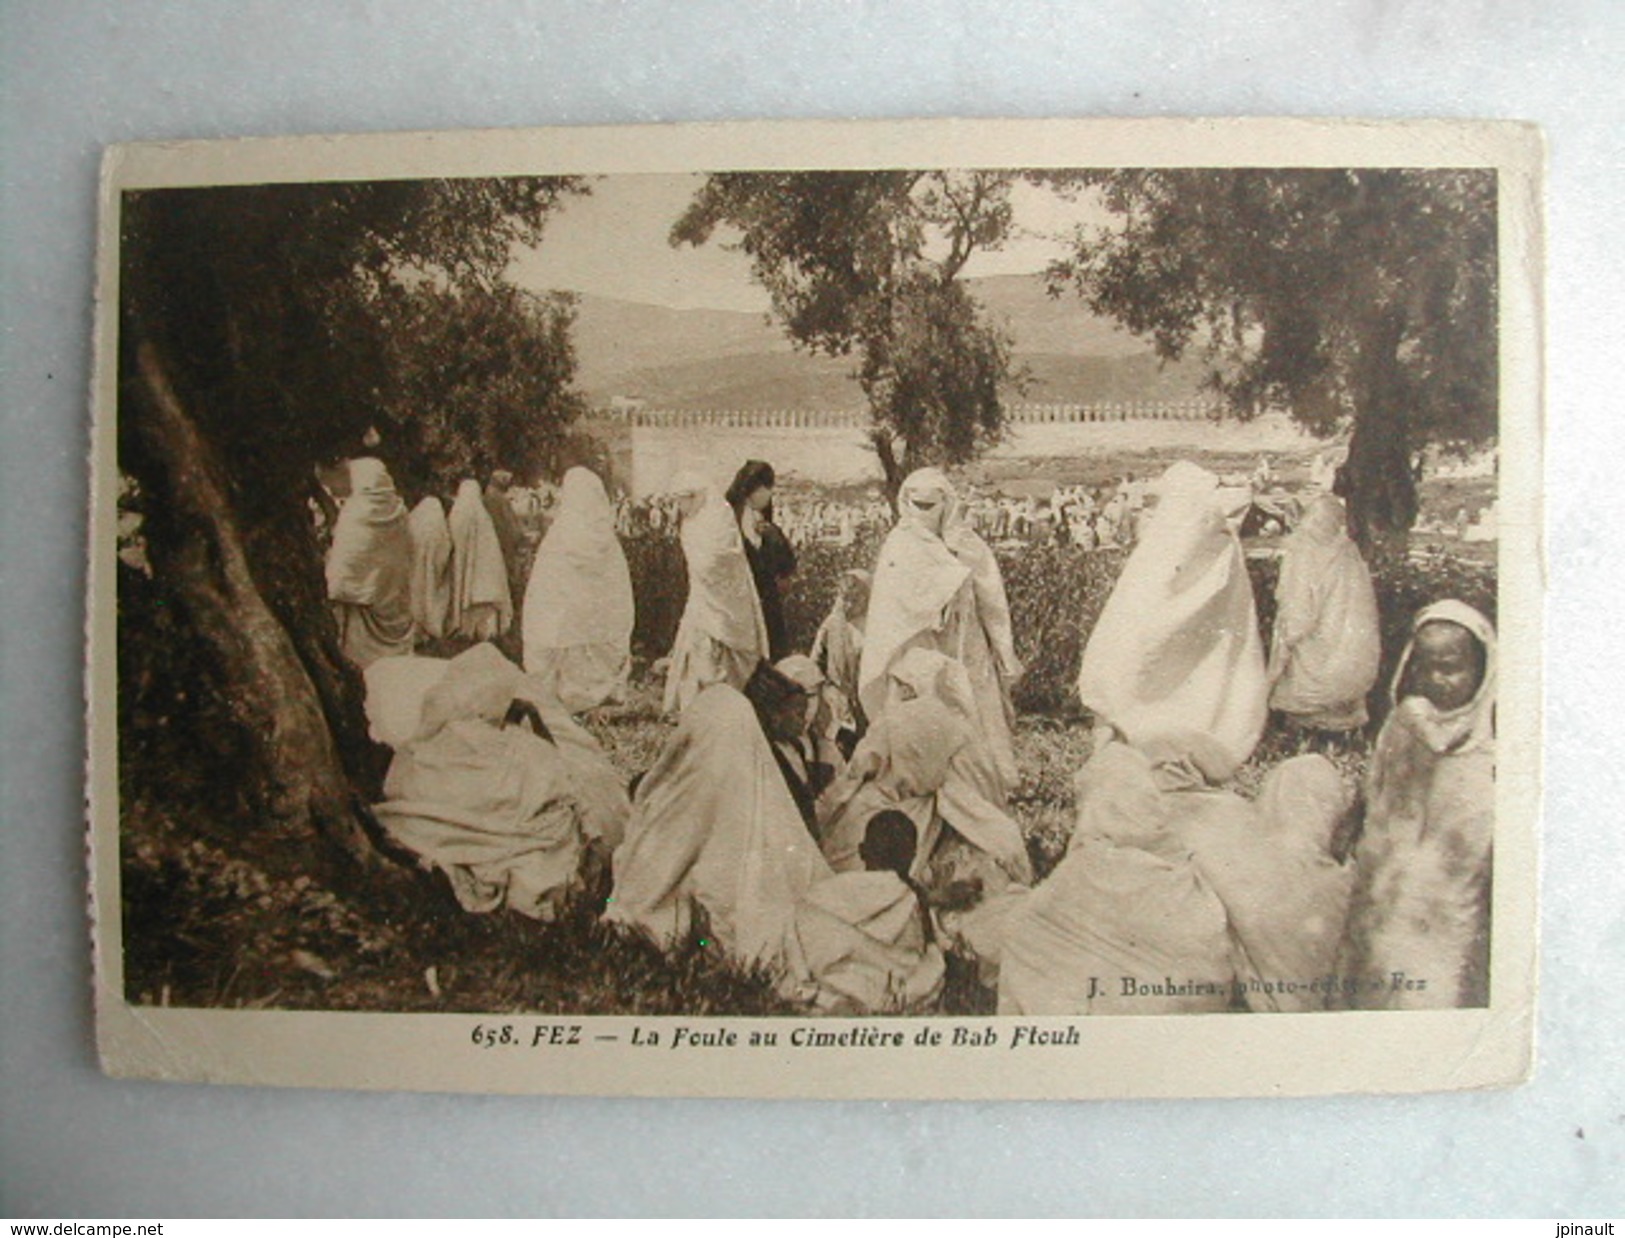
(937, 587)
(1286, 897)
(496, 808)
(862, 936)
(481, 603)
(714, 830)
(1421, 904)
(721, 636)
(369, 568)
(578, 610)
(1125, 924)
(1327, 642)
(926, 758)
(431, 567)
(1176, 647)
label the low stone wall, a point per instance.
(840, 455)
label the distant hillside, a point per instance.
(1096, 380)
(725, 359)
(621, 344)
(1044, 324)
(755, 380)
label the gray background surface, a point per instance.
(74, 76)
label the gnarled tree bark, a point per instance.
(197, 552)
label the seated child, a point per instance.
(838, 648)
(1419, 923)
(867, 937)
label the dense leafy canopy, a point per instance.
(1361, 298)
(280, 311)
(869, 263)
(264, 330)
(480, 380)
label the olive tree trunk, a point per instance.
(197, 552)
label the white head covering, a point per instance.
(802, 671)
(1471, 727)
(714, 824)
(1177, 647)
(930, 675)
(927, 498)
(479, 572)
(722, 601)
(915, 580)
(477, 685)
(580, 590)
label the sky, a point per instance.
(613, 244)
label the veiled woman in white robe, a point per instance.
(481, 604)
(715, 830)
(369, 568)
(1421, 903)
(1176, 647)
(926, 757)
(867, 945)
(1125, 924)
(505, 813)
(1285, 895)
(1326, 644)
(431, 567)
(578, 611)
(721, 636)
(937, 586)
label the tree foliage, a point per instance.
(1361, 298)
(280, 308)
(263, 329)
(480, 379)
(869, 263)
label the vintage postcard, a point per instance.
(928, 609)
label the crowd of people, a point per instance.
(840, 816)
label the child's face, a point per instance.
(1446, 666)
(855, 600)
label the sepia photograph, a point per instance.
(782, 597)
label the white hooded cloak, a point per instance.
(1421, 903)
(1125, 924)
(937, 587)
(1327, 643)
(578, 611)
(481, 604)
(721, 636)
(1176, 647)
(714, 829)
(369, 568)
